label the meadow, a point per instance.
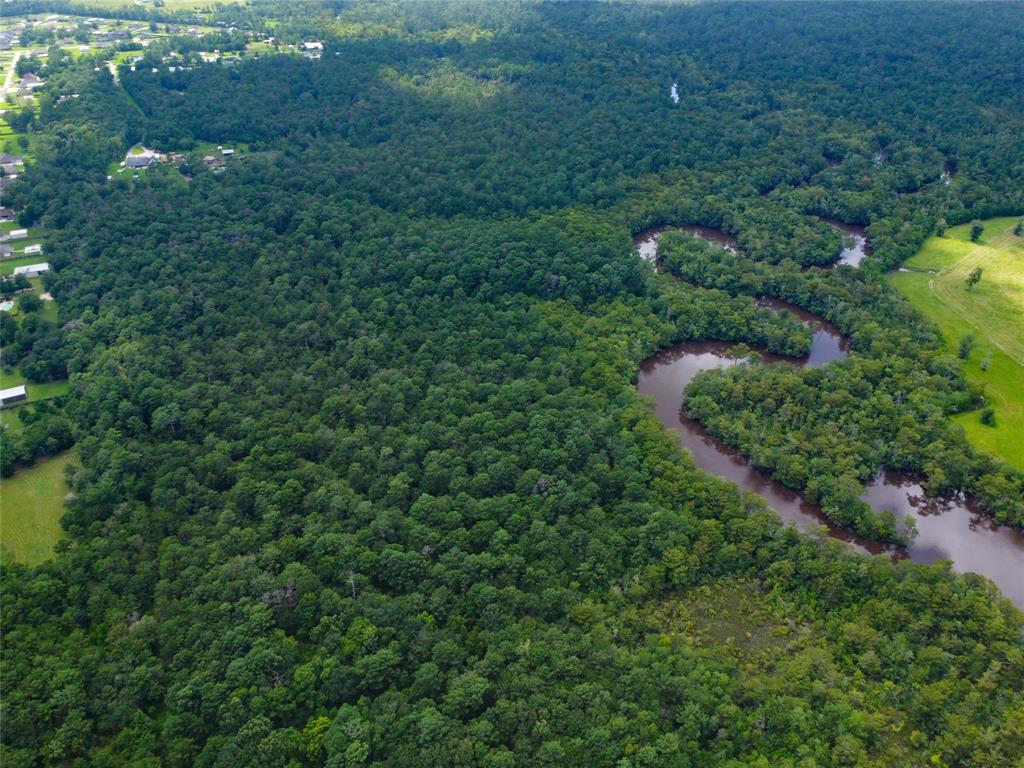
(992, 311)
(31, 505)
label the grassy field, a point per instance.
(993, 311)
(11, 377)
(31, 505)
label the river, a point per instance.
(950, 528)
(855, 243)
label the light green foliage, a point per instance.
(993, 312)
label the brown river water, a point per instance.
(950, 528)
(855, 243)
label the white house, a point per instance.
(30, 249)
(312, 46)
(6, 306)
(32, 270)
(17, 234)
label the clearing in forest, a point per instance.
(31, 505)
(992, 311)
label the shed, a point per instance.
(13, 395)
(32, 270)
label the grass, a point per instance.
(993, 312)
(7, 265)
(10, 422)
(31, 505)
(11, 377)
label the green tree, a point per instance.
(967, 344)
(973, 278)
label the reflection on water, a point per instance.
(855, 243)
(827, 344)
(949, 528)
(646, 242)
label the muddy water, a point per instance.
(646, 242)
(855, 243)
(665, 375)
(950, 529)
(827, 343)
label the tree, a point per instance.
(976, 230)
(966, 345)
(988, 417)
(29, 302)
(973, 278)
(986, 361)
(941, 226)
(1019, 228)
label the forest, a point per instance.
(365, 479)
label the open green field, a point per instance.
(993, 311)
(31, 505)
(7, 266)
(11, 377)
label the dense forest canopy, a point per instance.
(365, 479)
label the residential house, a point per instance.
(31, 250)
(31, 81)
(139, 161)
(17, 234)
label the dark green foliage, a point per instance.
(365, 480)
(29, 302)
(988, 417)
(977, 228)
(46, 432)
(967, 345)
(974, 278)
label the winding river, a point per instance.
(855, 243)
(950, 528)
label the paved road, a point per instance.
(9, 80)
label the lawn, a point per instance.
(993, 311)
(7, 265)
(11, 377)
(31, 505)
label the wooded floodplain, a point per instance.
(365, 479)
